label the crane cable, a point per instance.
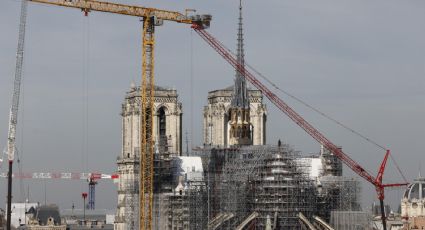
(85, 96)
(367, 139)
(191, 93)
(87, 75)
(329, 118)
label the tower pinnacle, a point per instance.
(240, 96)
(240, 125)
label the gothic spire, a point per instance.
(240, 95)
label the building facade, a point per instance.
(167, 133)
(413, 201)
(46, 217)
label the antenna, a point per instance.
(72, 212)
(187, 144)
(45, 192)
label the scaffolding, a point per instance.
(128, 193)
(187, 207)
(228, 177)
(222, 188)
(2, 220)
(262, 179)
(282, 190)
(337, 193)
(198, 210)
(350, 220)
(332, 165)
(129, 187)
(179, 214)
(132, 204)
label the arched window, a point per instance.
(162, 128)
(251, 132)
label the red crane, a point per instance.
(294, 116)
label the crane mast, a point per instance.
(147, 140)
(13, 115)
(301, 122)
(151, 17)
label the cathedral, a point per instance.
(234, 116)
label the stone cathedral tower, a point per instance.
(167, 131)
(235, 115)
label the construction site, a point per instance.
(235, 178)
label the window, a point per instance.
(414, 192)
(423, 191)
(162, 128)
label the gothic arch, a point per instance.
(228, 132)
(161, 115)
(162, 106)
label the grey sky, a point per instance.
(361, 61)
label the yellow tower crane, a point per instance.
(151, 17)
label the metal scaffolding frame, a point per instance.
(272, 181)
(187, 207)
(132, 204)
(263, 179)
(350, 220)
(337, 193)
(282, 190)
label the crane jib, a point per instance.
(130, 10)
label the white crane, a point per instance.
(13, 116)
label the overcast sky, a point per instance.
(360, 61)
